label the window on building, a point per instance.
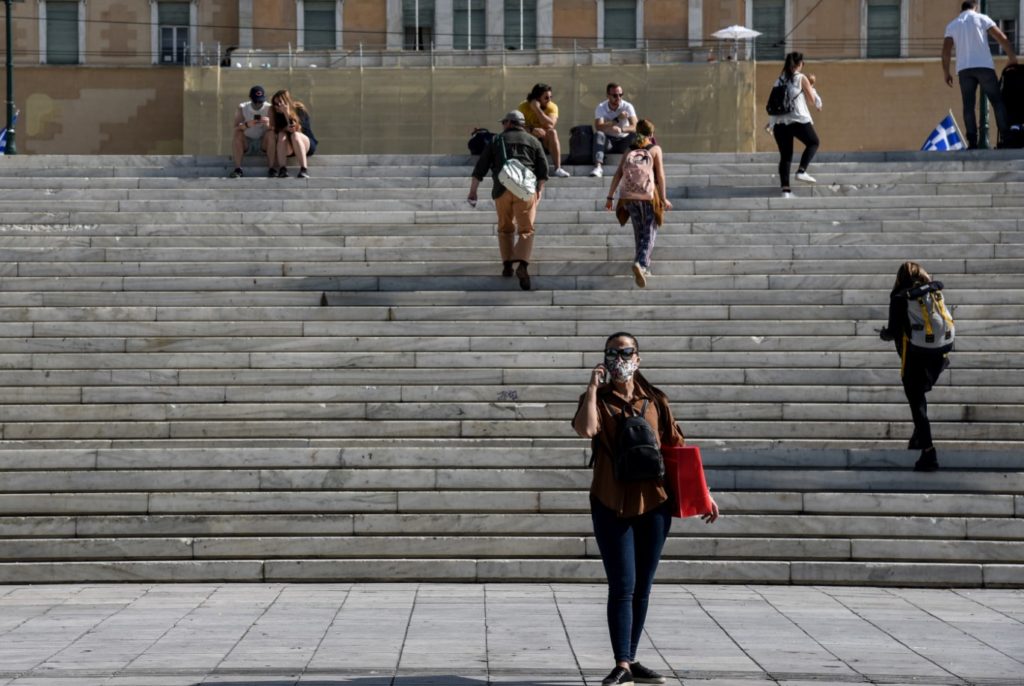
(1006, 15)
(521, 24)
(470, 25)
(620, 23)
(769, 17)
(418, 24)
(62, 33)
(883, 28)
(319, 28)
(173, 20)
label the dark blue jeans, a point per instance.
(630, 549)
(970, 79)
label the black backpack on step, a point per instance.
(1011, 85)
(581, 145)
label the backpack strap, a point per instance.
(929, 333)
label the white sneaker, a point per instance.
(786, 194)
(805, 177)
(638, 275)
(562, 174)
(597, 172)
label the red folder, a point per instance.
(684, 477)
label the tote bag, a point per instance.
(684, 478)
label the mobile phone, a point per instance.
(606, 378)
(257, 116)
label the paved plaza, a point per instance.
(513, 635)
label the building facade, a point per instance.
(237, 32)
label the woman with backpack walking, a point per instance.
(642, 198)
(923, 331)
(791, 119)
(630, 508)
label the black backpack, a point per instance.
(635, 452)
(779, 101)
(479, 141)
(581, 145)
(1011, 85)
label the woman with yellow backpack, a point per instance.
(923, 331)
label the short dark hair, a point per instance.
(609, 87)
(969, 5)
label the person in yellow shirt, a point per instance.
(541, 115)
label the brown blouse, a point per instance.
(636, 498)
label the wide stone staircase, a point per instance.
(274, 379)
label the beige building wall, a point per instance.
(100, 110)
(666, 22)
(574, 22)
(365, 21)
(274, 24)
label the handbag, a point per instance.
(684, 479)
(515, 177)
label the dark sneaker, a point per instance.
(271, 173)
(619, 676)
(282, 173)
(928, 462)
(303, 173)
(506, 268)
(524, 279)
(643, 675)
(235, 174)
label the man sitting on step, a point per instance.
(252, 134)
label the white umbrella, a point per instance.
(736, 33)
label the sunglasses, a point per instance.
(624, 353)
(615, 95)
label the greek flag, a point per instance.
(3, 135)
(946, 136)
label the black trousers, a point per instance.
(784, 136)
(921, 369)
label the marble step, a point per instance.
(482, 456)
(174, 481)
(521, 547)
(522, 410)
(671, 571)
(149, 505)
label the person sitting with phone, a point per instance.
(252, 135)
(293, 135)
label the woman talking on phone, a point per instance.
(631, 518)
(292, 132)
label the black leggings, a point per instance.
(921, 369)
(784, 135)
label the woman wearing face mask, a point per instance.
(631, 520)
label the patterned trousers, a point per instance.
(641, 213)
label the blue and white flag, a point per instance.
(946, 136)
(3, 141)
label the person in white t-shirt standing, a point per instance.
(969, 33)
(614, 127)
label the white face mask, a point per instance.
(622, 370)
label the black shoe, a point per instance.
(303, 173)
(913, 443)
(282, 173)
(506, 268)
(524, 278)
(642, 675)
(235, 174)
(271, 173)
(619, 676)
(928, 462)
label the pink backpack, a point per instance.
(638, 175)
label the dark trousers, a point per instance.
(921, 370)
(784, 136)
(970, 79)
(630, 550)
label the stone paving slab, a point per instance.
(419, 634)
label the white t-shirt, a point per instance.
(249, 113)
(800, 114)
(969, 32)
(619, 116)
